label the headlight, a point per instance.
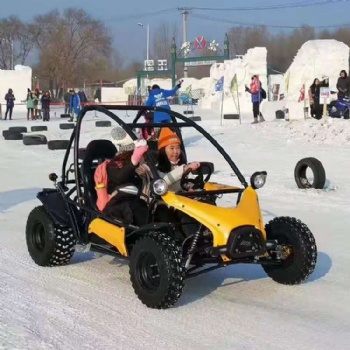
(160, 187)
(258, 179)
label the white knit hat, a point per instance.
(122, 140)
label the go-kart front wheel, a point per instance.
(157, 271)
(48, 244)
(298, 246)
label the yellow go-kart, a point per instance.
(186, 231)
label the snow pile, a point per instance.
(328, 131)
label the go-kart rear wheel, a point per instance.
(48, 244)
(157, 272)
(299, 248)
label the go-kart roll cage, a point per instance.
(106, 109)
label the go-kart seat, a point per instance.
(96, 150)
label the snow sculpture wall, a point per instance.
(19, 80)
(316, 58)
(254, 62)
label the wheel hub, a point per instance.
(148, 271)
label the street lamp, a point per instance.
(141, 25)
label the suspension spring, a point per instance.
(193, 245)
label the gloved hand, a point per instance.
(179, 84)
(140, 149)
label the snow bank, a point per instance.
(328, 131)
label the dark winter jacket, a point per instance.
(82, 96)
(67, 97)
(45, 102)
(121, 205)
(314, 94)
(158, 98)
(343, 85)
(10, 98)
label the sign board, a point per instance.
(199, 63)
(149, 65)
(162, 64)
(200, 43)
(325, 93)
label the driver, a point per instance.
(171, 163)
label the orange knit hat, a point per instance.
(167, 137)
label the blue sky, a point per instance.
(131, 39)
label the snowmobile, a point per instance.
(161, 254)
(339, 108)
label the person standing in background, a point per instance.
(258, 95)
(66, 98)
(75, 106)
(10, 98)
(45, 105)
(343, 85)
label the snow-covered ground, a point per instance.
(90, 304)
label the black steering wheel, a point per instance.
(198, 182)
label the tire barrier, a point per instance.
(39, 128)
(12, 135)
(231, 116)
(18, 129)
(66, 126)
(103, 123)
(319, 174)
(195, 118)
(58, 144)
(36, 139)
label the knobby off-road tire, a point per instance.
(317, 169)
(48, 244)
(302, 261)
(157, 271)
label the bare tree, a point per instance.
(16, 42)
(73, 47)
(162, 39)
(243, 38)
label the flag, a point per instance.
(188, 91)
(302, 94)
(219, 86)
(234, 84)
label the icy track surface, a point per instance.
(90, 303)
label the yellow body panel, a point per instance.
(221, 221)
(111, 233)
(214, 186)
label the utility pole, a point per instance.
(184, 35)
